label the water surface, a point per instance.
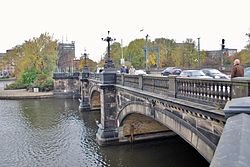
(51, 132)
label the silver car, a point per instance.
(194, 74)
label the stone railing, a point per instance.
(207, 91)
(94, 76)
(159, 85)
(66, 75)
(215, 92)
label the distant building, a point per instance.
(218, 58)
(66, 56)
(7, 68)
(1, 61)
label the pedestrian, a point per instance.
(126, 70)
(132, 70)
(237, 70)
(123, 69)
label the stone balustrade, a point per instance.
(214, 92)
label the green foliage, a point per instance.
(135, 53)
(116, 53)
(43, 82)
(16, 85)
(34, 61)
(171, 54)
(91, 64)
(244, 56)
(29, 76)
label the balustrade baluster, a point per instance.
(221, 93)
(188, 88)
(202, 90)
(205, 91)
(185, 86)
(217, 92)
(226, 92)
(192, 89)
(195, 89)
(209, 91)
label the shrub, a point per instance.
(16, 85)
(44, 83)
(28, 77)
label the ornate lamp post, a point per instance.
(84, 101)
(108, 130)
(146, 53)
(85, 72)
(108, 76)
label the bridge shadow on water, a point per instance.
(165, 152)
(168, 152)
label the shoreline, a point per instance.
(19, 94)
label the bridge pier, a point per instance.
(84, 101)
(107, 132)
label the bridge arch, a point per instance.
(94, 97)
(185, 130)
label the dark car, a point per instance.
(247, 72)
(216, 74)
(171, 71)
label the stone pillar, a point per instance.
(107, 132)
(122, 79)
(84, 101)
(172, 85)
(240, 87)
(108, 76)
(140, 82)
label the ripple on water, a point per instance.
(51, 132)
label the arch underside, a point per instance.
(179, 126)
(95, 100)
(143, 127)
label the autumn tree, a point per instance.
(34, 60)
(244, 54)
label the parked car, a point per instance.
(171, 71)
(167, 71)
(140, 72)
(194, 74)
(214, 73)
(247, 72)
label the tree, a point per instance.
(190, 54)
(115, 53)
(135, 53)
(166, 47)
(34, 57)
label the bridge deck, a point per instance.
(210, 111)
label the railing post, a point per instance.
(140, 81)
(240, 87)
(172, 86)
(122, 79)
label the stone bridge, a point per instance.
(137, 107)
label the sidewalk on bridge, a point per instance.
(23, 94)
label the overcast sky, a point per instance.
(87, 21)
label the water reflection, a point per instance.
(51, 132)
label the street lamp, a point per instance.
(108, 76)
(146, 53)
(85, 72)
(108, 61)
(199, 59)
(84, 102)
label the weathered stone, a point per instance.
(233, 148)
